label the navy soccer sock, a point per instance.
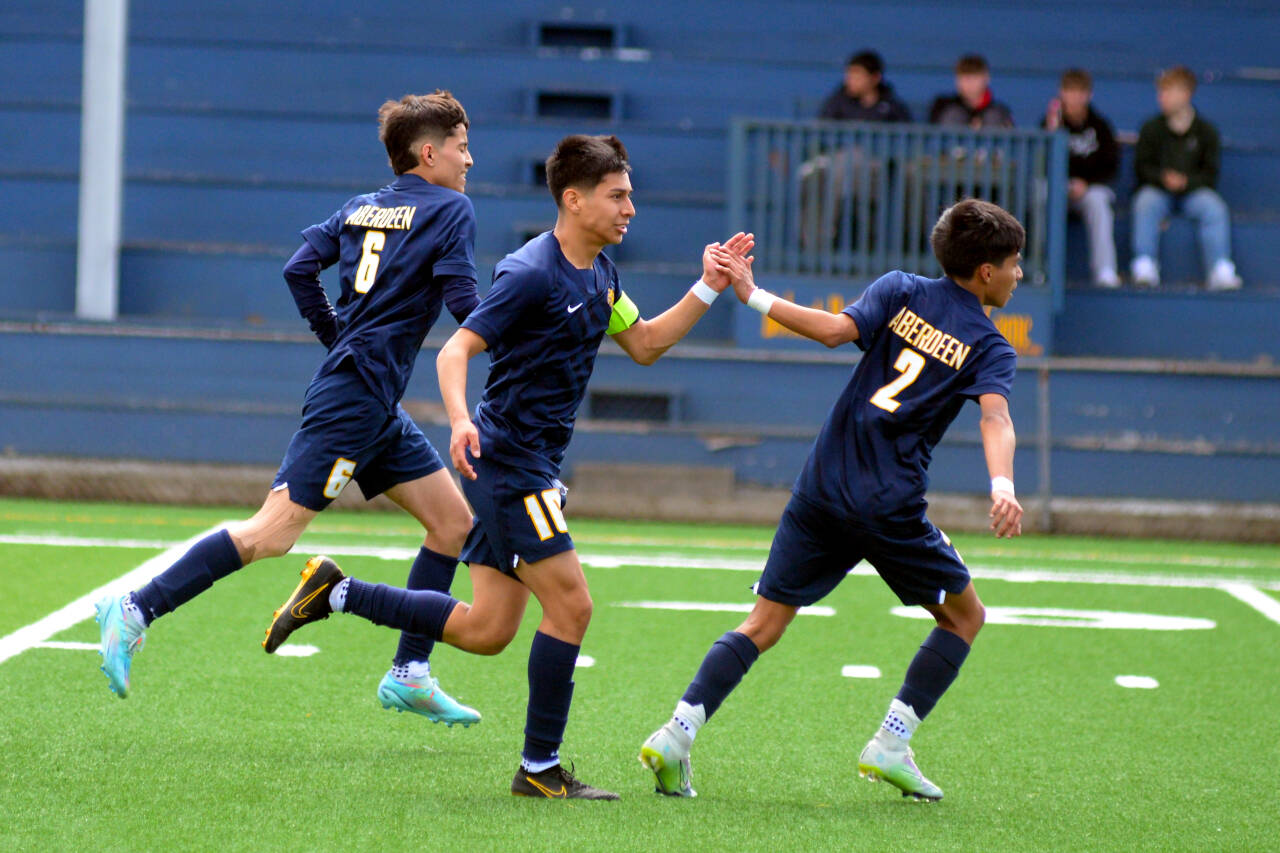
(551, 664)
(433, 571)
(421, 611)
(211, 559)
(726, 663)
(932, 670)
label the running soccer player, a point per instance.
(861, 495)
(542, 322)
(401, 252)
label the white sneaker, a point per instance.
(1223, 276)
(1146, 273)
(667, 755)
(1107, 278)
(891, 759)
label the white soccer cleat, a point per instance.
(889, 758)
(668, 758)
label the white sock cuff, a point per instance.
(901, 721)
(689, 718)
(338, 595)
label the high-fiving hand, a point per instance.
(714, 271)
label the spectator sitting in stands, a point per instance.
(1177, 162)
(972, 105)
(1091, 165)
(864, 96)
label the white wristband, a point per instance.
(761, 300)
(703, 291)
(1002, 484)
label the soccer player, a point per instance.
(861, 495)
(542, 322)
(401, 252)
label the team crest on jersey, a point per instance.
(611, 297)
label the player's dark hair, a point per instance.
(972, 63)
(1076, 78)
(583, 162)
(868, 60)
(971, 233)
(405, 124)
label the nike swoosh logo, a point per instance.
(544, 789)
(297, 611)
(573, 308)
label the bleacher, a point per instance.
(248, 121)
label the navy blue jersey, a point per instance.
(394, 248)
(542, 321)
(929, 347)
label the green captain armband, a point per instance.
(624, 316)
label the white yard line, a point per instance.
(1255, 598)
(82, 608)
(37, 634)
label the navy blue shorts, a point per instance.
(348, 434)
(518, 517)
(813, 550)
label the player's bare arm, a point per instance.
(451, 370)
(646, 340)
(826, 328)
(998, 443)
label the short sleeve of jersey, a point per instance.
(512, 293)
(873, 309)
(458, 241)
(324, 239)
(995, 372)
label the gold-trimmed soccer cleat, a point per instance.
(309, 602)
(556, 783)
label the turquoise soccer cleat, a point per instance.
(424, 696)
(121, 639)
(669, 761)
(897, 766)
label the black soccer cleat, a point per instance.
(556, 783)
(309, 602)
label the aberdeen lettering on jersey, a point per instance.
(372, 216)
(933, 342)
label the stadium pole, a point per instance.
(101, 159)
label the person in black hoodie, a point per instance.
(1093, 156)
(971, 105)
(864, 96)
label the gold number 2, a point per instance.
(910, 363)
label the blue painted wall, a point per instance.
(237, 401)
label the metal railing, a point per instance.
(858, 199)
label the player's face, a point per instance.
(1003, 280)
(451, 160)
(607, 210)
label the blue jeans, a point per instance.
(1151, 206)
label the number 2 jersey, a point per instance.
(401, 252)
(929, 347)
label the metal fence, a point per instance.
(855, 198)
